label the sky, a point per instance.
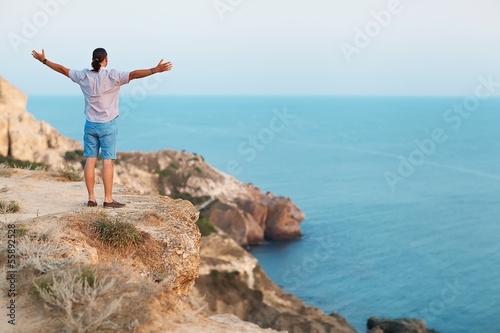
(258, 47)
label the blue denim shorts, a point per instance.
(100, 136)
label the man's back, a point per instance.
(100, 90)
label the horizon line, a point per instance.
(271, 95)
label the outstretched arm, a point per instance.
(58, 68)
(162, 67)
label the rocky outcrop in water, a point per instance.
(22, 137)
(376, 325)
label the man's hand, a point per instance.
(140, 73)
(38, 56)
(52, 65)
(162, 67)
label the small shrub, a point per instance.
(13, 163)
(20, 232)
(117, 162)
(42, 285)
(174, 166)
(224, 279)
(73, 155)
(87, 276)
(198, 170)
(11, 207)
(186, 196)
(202, 158)
(72, 174)
(41, 253)
(79, 301)
(163, 173)
(117, 234)
(205, 226)
(233, 274)
(215, 276)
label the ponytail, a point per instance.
(96, 65)
(98, 56)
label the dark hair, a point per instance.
(97, 57)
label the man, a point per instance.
(100, 88)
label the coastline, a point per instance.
(153, 172)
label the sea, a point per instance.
(401, 194)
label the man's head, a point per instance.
(99, 58)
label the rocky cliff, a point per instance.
(69, 268)
(86, 269)
(231, 281)
(23, 137)
(241, 210)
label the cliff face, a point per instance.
(231, 281)
(23, 137)
(71, 275)
(241, 210)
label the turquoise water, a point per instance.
(426, 246)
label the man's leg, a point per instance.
(89, 173)
(108, 149)
(91, 151)
(107, 179)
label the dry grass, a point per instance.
(11, 207)
(61, 295)
(41, 253)
(97, 298)
(78, 294)
(72, 174)
(118, 234)
(77, 298)
(9, 162)
(146, 253)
